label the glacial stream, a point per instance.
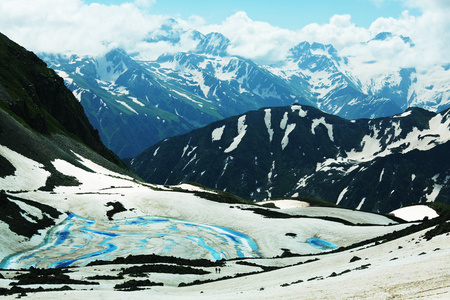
(78, 241)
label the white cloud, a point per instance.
(254, 39)
(72, 25)
(340, 32)
(430, 32)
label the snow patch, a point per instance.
(415, 213)
(361, 203)
(242, 130)
(29, 174)
(217, 133)
(402, 115)
(302, 113)
(283, 122)
(381, 175)
(317, 122)
(268, 122)
(341, 195)
(135, 100)
(156, 152)
(127, 106)
(285, 140)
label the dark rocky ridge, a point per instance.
(38, 98)
(261, 168)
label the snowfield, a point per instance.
(110, 215)
(415, 213)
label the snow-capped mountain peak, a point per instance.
(202, 82)
(213, 44)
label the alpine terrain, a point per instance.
(135, 101)
(371, 164)
(76, 223)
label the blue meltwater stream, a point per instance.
(77, 241)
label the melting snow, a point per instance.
(156, 151)
(28, 210)
(242, 130)
(29, 174)
(341, 195)
(127, 106)
(431, 197)
(438, 132)
(285, 140)
(268, 121)
(381, 174)
(216, 134)
(415, 213)
(135, 100)
(317, 122)
(77, 93)
(397, 128)
(361, 203)
(405, 114)
(190, 152)
(189, 98)
(77, 71)
(65, 76)
(283, 122)
(302, 113)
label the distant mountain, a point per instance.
(374, 165)
(321, 75)
(135, 102)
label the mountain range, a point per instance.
(370, 164)
(75, 222)
(135, 102)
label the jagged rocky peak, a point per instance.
(118, 57)
(307, 50)
(315, 56)
(213, 43)
(115, 54)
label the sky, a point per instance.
(289, 14)
(260, 30)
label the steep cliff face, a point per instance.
(37, 96)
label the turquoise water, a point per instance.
(78, 241)
(322, 244)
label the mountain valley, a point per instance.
(76, 223)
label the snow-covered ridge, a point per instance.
(371, 146)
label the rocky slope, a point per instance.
(369, 164)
